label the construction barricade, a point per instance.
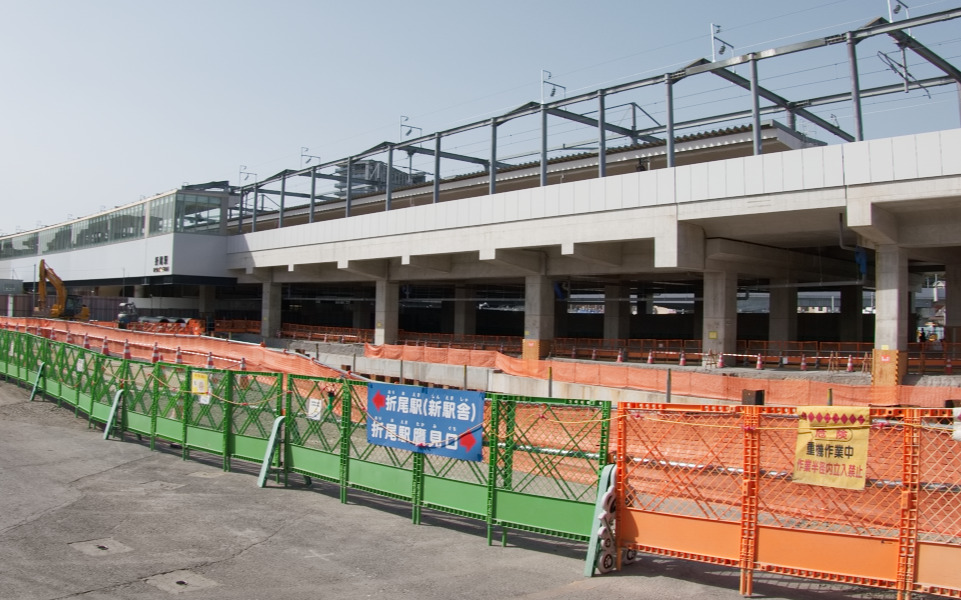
(726, 485)
(538, 472)
(722, 485)
(538, 469)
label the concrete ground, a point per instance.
(81, 517)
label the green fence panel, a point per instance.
(139, 401)
(6, 351)
(30, 359)
(16, 368)
(91, 381)
(207, 413)
(64, 370)
(547, 458)
(50, 382)
(108, 379)
(377, 469)
(458, 486)
(256, 401)
(171, 388)
(313, 428)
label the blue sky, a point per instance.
(107, 101)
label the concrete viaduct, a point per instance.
(723, 223)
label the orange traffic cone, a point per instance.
(180, 357)
(804, 363)
(126, 350)
(760, 363)
(620, 356)
(155, 357)
(682, 360)
(850, 368)
(210, 360)
(86, 342)
(948, 370)
(720, 361)
(243, 363)
(650, 357)
(594, 354)
(105, 350)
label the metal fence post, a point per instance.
(346, 407)
(750, 423)
(493, 453)
(910, 490)
(228, 407)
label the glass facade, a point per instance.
(176, 212)
(162, 215)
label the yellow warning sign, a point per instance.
(832, 446)
(200, 386)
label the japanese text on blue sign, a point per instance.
(428, 420)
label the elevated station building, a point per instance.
(602, 203)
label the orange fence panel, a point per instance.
(715, 484)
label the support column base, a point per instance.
(888, 367)
(535, 349)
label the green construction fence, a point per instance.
(541, 456)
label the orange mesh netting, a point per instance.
(194, 350)
(683, 383)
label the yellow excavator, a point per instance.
(67, 306)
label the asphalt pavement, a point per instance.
(84, 517)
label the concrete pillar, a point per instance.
(891, 324)
(699, 311)
(538, 316)
(782, 318)
(270, 304)
(852, 314)
(386, 311)
(360, 311)
(206, 299)
(139, 291)
(952, 303)
(465, 311)
(617, 312)
(720, 312)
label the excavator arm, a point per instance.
(47, 274)
(63, 308)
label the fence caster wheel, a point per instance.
(605, 563)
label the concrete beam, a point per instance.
(766, 261)
(261, 274)
(374, 269)
(524, 260)
(439, 263)
(872, 222)
(678, 245)
(609, 255)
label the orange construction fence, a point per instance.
(790, 392)
(723, 485)
(189, 349)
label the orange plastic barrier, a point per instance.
(716, 484)
(788, 392)
(193, 350)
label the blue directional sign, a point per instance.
(427, 420)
